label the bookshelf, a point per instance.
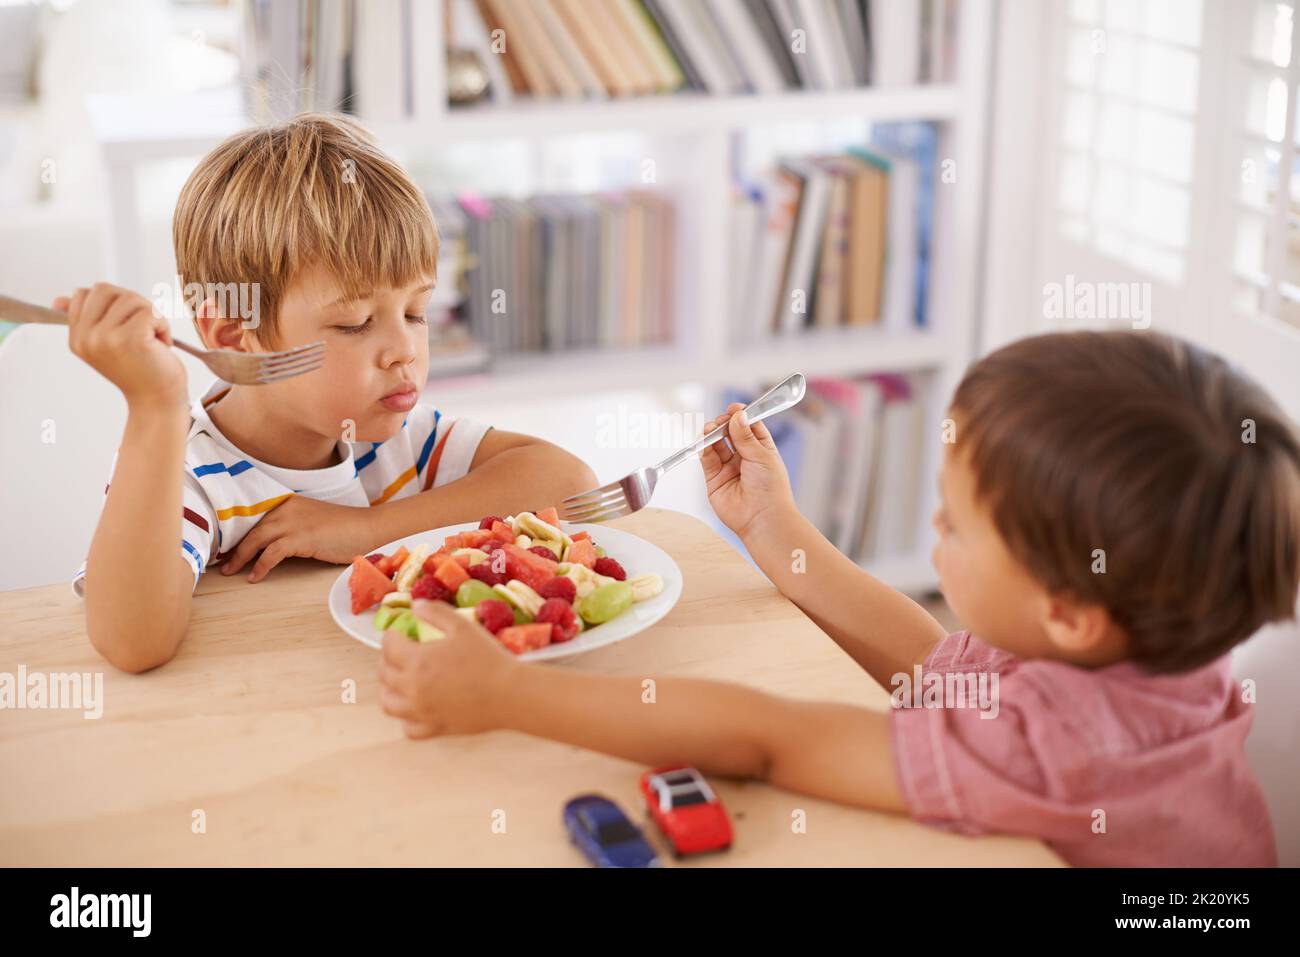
(694, 136)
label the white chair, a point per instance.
(1272, 660)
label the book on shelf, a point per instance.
(836, 241)
(617, 48)
(325, 55)
(915, 144)
(854, 451)
(559, 272)
(360, 57)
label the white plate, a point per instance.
(636, 555)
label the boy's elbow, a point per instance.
(135, 652)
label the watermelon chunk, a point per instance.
(437, 558)
(502, 532)
(474, 538)
(581, 552)
(530, 568)
(521, 638)
(576, 536)
(451, 573)
(393, 562)
(550, 516)
(367, 585)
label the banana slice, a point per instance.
(396, 599)
(410, 570)
(467, 613)
(525, 597)
(507, 596)
(476, 555)
(523, 541)
(534, 526)
(645, 586)
(518, 595)
(584, 579)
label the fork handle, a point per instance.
(15, 310)
(780, 397)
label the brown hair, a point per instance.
(272, 201)
(1181, 469)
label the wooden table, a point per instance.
(248, 726)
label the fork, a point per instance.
(238, 368)
(632, 492)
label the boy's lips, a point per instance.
(401, 400)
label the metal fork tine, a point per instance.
(296, 355)
(594, 507)
(585, 514)
(594, 496)
(295, 361)
(601, 515)
(265, 377)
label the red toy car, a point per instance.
(686, 810)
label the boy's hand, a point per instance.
(117, 333)
(749, 482)
(447, 686)
(304, 528)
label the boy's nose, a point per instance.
(399, 349)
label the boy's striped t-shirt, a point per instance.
(226, 492)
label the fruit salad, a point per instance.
(522, 577)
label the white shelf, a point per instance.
(838, 352)
(670, 115)
(132, 128)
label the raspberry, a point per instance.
(376, 558)
(430, 587)
(543, 551)
(559, 587)
(484, 572)
(607, 566)
(494, 615)
(487, 522)
(559, 613)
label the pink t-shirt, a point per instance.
(1111, 767)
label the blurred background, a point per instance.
(650, 208)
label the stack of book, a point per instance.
(561, 271)
(836, 241)
(613, 48)
(854, 451)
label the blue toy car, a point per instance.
(604, 834)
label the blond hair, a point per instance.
(316, 190)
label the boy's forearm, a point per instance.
(832, 751)
(883, 630)
(512, 481)
(710, 725)
(136, 541)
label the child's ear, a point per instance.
(1077, 627)
(217, 331)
